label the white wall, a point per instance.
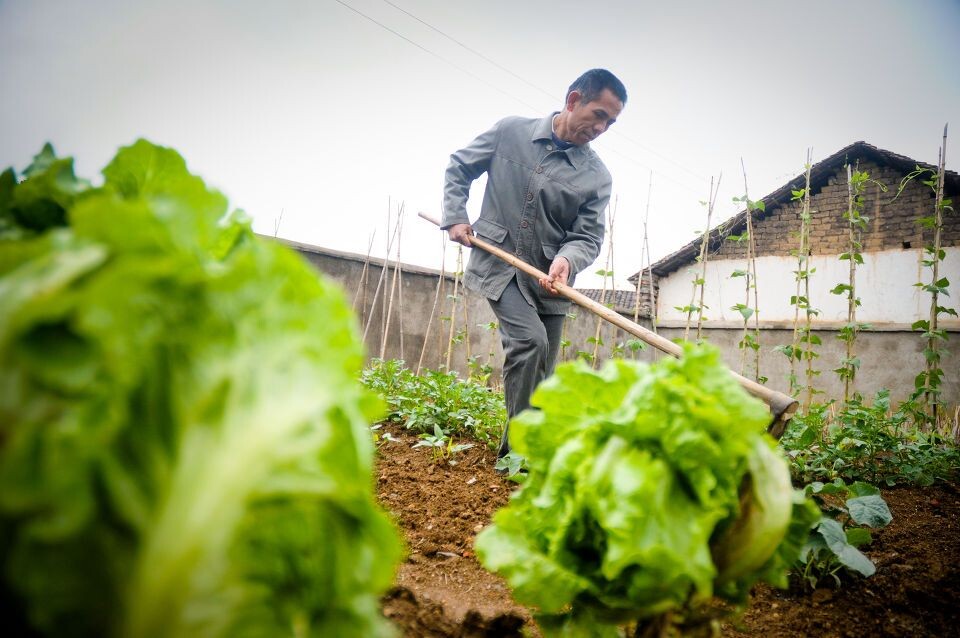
(885, 285)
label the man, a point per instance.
(545, 199)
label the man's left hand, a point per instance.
(559, 273)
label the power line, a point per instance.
(558, 99)
(436, 55)
(550, 95)
(502, 91)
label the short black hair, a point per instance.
(592, 83)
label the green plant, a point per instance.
(749, 341)
(184, 448)
(834, 541)
(868, 442)
(511, 463)
(801, 345)
(479, 371)
(462, 408)
(750, 281)
(928, 382)
(635, 345)
(650, 488)
(441, 445)
(381, 436)
(645, 266)
(698, 282)
(857, 182)
(564, 342)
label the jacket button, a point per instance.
(539, 169)
(529, 197)
(524, 224)
(549, 147)
(519, 251)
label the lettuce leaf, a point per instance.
(184, 447)
(635, 471)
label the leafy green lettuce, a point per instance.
(637, 497)
(183, 445)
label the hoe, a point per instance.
(781, 406)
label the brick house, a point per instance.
(892, 252)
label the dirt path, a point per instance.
(443, 592)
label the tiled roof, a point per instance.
(819, 174)
(622, 301)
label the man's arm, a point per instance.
(466, 165)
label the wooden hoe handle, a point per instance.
(781, 406)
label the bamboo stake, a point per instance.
(780, 404)
(603, 288)
(752, 276)
(363, 278)
(808, 327)
(466, 326)
(851, 294)
(645, 259)
(453, 305)
(440, 335)
(803, 272)
(653, 300)
(393, 287)
(380, 280)
(932, 345)
(698, 282)
(643, 248)
(386, 266)
(436, 301)
(399, 269)
(705, 255)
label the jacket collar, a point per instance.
(543, 131)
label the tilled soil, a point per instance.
(442, 591)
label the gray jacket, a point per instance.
(539, 203)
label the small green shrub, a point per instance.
(437, 399)
(872, 443)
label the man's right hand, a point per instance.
(460, 233)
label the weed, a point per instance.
(832, 547)
(441, 445)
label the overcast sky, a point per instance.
(327, 110)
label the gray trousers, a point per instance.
(530, 344)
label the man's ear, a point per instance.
(573, 98)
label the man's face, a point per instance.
(588, 120)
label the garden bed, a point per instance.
(442, 590)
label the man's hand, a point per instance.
(460, 233)
(559, 273)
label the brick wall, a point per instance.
(892, 222)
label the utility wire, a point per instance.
(437, 55)
(549, 94)
(504, 92)
(552, 96)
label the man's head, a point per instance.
(592, 83)
(593, 103)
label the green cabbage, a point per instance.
(183, 445)
(650, 489)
